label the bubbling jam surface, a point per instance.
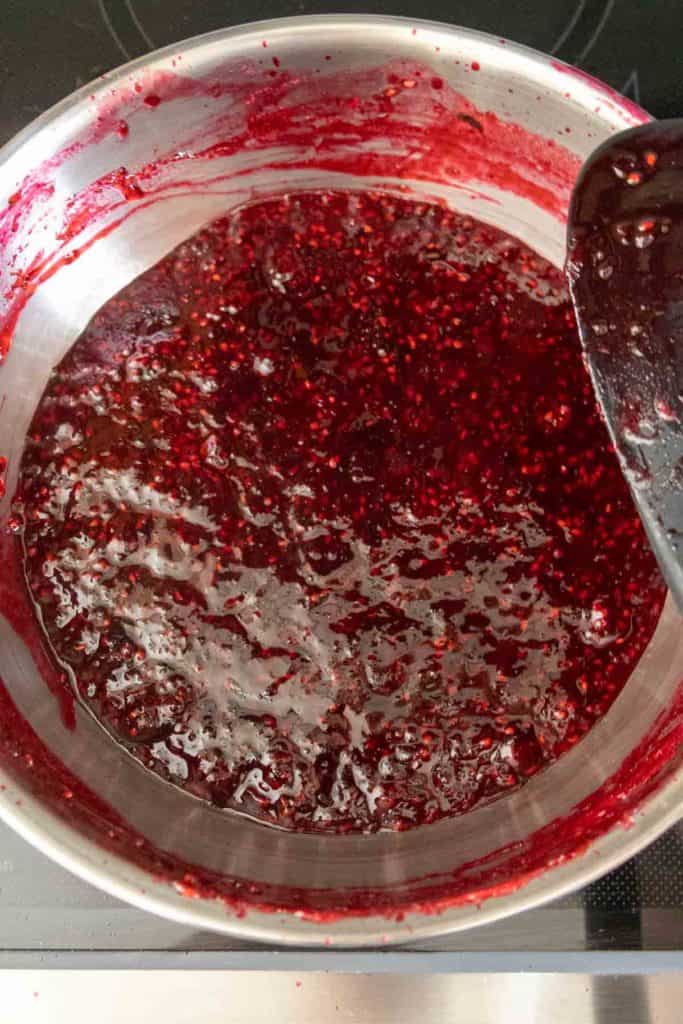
(323, 524)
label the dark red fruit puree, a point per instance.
(320, 516)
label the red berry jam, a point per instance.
(320, 516)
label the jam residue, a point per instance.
(321, 520)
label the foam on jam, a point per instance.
(320, 517)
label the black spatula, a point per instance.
(625, 271)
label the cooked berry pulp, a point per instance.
(322, 522)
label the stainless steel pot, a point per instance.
(517, 852)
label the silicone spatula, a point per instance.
(625, 273)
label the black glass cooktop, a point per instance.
(50, 47)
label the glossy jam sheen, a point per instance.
(323, 524)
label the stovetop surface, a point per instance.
(47, 49)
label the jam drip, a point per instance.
(322, 522)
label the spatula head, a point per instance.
(625, 272)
